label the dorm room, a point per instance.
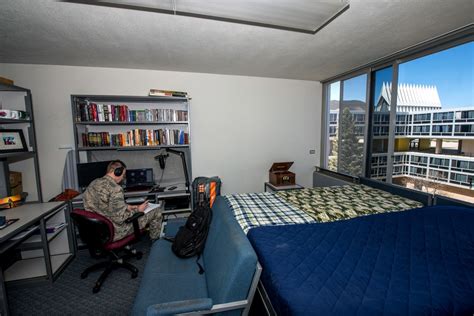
(236, 157)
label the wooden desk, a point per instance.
(30, 251)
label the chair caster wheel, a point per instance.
(134, 275)
(139, 255)
(84, 275)
(96, 289)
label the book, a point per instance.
(167, 93)
(14, 114)
(6, 81)
(52, 228)
(151, 207)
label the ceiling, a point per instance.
(61, 33)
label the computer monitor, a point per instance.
(140, 178)
(88, 172)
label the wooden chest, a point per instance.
(280, 175)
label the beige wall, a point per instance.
(240, 125)
(468, 146)
(402, 144)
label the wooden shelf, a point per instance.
(131, 99)
(135, 123)
(13, 121)
(131, 148)
(18, 155)
(34, 267)
(176, 211)
(34, 242)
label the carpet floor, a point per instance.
(71, 295)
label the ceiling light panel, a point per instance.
(296, 15)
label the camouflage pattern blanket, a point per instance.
(327, 204)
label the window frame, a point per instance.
(445, 41)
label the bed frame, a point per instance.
(327, 178)
(411, 194)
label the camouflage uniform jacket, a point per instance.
(105, 197)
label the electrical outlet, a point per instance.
(312, 151)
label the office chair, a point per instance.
(97, 232)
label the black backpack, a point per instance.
(191, 238)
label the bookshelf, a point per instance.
(129, 122)
(134, 129)
(24, 160)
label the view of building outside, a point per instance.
(332, 140)
(433, 138)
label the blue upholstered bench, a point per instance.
(171, 285)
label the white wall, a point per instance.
(239, 125)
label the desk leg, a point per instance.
(3, 296)
(47, 257)
(71, 229)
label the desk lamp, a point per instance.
(162, 161)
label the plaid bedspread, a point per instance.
(327, 204)
(261, 209)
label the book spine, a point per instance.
(106, 113)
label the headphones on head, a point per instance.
(118, 171)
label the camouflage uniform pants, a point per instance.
(152, 219)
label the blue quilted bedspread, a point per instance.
(417, 262)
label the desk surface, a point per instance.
(27, 214)
(283, 187)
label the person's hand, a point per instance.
(143, 206)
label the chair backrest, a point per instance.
(95, 230)
(229, 259)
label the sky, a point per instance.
(451, 71)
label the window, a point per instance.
(380, 108)
(346, 120)
(332, 141)
(352, 126)
(442, 117)
(438, 89)
(421, 118)
(426, 133)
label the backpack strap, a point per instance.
(201, 269)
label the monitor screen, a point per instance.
(140, 177)
(88, 172)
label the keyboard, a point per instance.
(136, 188)
(135, 200)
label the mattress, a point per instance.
(327, 204)
(313, 205)
(418, 262)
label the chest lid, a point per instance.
(281, 166)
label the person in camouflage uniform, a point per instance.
(105, 196)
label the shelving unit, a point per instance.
(86, 119)
(19, 99)
(41, 255)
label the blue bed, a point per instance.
(417, 262)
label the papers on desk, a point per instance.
(8, 222)
(152, 206)
(52, 228)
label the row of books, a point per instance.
(167, 93)
(93, 112)
(136, 137)
(158, 115)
